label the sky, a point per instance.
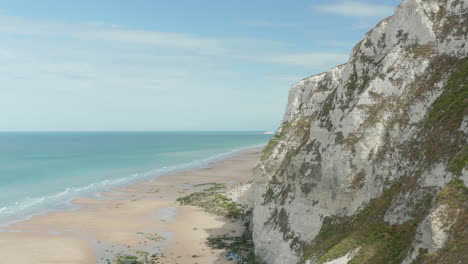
(149, 65)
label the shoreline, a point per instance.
(141, 216)
(152, 175)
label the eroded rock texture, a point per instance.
(369, 164)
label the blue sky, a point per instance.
(167, 65)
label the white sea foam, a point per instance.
(30, 206)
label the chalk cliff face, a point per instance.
(369, 164)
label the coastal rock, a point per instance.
(242, 195)
(365, 149)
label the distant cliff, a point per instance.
(370, 162)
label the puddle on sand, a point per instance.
(166, 213)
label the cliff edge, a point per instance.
(370, 162)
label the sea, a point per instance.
(43, 171)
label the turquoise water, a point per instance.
(44, 171)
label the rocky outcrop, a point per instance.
(369, 164)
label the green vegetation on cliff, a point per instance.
(443, 139)
(454, 197)
(366, 232)
(378, 241)
(268, 149)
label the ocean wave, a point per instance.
(30, 206)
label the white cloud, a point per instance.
(161, 47)
(82, 74)
(355, 9)
(112, 33)
(284, 78)
(341, 44)
(313, 60)
(266, 23)
(167, 39)
(206, 45)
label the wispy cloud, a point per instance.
(355, 9)
(112, 33)
(71, 76)
(167, 43)
(77, 56)
(340, 44)
(118, 35)
(313, 60)
(284, 78)
(267, 23)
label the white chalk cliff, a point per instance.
(369, 164)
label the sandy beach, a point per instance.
(143, 216)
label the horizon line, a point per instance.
(125, 131)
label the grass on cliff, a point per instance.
(268, 149)
(455, 197)
(421, 50)
(356, 84)
(443, 139)
(300, 127)
(378, 241)
(452, 104)
(459, 161)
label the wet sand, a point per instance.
(140, 217)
